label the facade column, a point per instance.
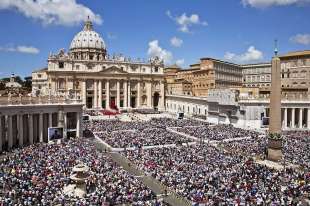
(125, 94)
(95, 100)
(50, 119)
(107, 94)
(16, 130)
(56, 86)
(139, 94)
(308, 118)
(50, 123)
(30, 120)
(60, 118)
(78, 124)
(162, 96)
(1, 133)
(100, 94)
(300, 117)
(10, 132)
(84, 92)
(285, 119)
(20, 130)
(129, 95)
(293, 118)
(149, 94)
(65, 124)
(41, 127)
(118, 94)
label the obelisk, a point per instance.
(275, 139)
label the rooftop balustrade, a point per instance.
(27, 100)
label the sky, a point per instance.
(178, 31)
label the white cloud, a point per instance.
(229, 56)
(155, 50)
(185, 22)
(268, 3)
(58, 12)
(301, 39)
(249, 56)
(180, 62)
(25, 49)
(176, 42)
(21, 49)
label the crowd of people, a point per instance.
(37, 175)
(255, 146)
(225, 174)
(170, 122)
(153, 132)
(92, 112)
(113, 125)
(209, 176)
(145, 137)
(116, 125)
(120, 134)
(297, 148)
(217, 132)
(146, 111)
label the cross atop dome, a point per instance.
(88, 26)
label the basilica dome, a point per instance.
(87, 39)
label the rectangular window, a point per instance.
(61, 65)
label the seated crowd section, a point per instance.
(206, 175)
(120, 134)
(36, 175)
(213, 172)
(145, 137)
(217, 132)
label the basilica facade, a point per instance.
(88, 73)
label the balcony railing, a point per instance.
(283, 98)
(5, 101)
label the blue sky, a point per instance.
(181, 31)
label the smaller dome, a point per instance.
(87, 38)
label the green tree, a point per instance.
(28, 83)
(2, 86)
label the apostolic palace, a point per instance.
(88, 73)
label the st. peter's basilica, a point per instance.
(88, 73)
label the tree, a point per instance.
(6, 79)
(19, 80)
(2, 86)
(28, 83)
